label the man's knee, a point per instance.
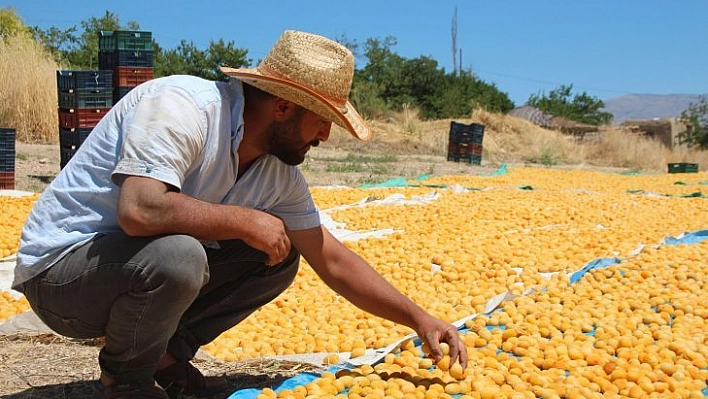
(178, 260)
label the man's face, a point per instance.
(291, 139)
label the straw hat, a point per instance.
(311, 71)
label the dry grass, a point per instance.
(512, 140)
(28, 94)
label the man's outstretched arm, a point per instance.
(353, 278)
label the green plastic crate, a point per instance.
(683, 167)
(112, 40)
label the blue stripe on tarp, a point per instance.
(594, 264)
(687, 238)
(290, 383)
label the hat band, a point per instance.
(270, 72)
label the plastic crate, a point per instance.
(469, 158)
(128, 76)
(7, 150)
(7, 180)
(80, 117)
(109, 40)
(120, 92)
(65, 154)
(7, 160)
(69, 81)
(461, 133)
(83, 98)
(113, 59)
(683, 167)
(464, 149)
(73, 137)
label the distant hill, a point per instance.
(648, 106)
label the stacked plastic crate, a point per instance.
(7, 158)
(84, 98)
(129, 55)
(465, 142)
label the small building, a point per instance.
(664, 130)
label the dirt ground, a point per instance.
(50, 366)
(329, 164)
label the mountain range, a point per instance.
(648, 106)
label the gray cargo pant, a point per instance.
(148, 295)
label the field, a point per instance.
(539, 208)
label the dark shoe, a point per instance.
(128, 391)
(183, 378)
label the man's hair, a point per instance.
(256, 93)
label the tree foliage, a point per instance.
(581, 108)
(79, 51)
(391, 82)
(696, 120)
(386, 82)
(187, 59)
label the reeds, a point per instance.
(28, 90)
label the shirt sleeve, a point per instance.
(298, 209)
(162, 137)
(272, 186)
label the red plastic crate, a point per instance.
(7, 180)
(80, 117)
(464, 149)
(131, 76)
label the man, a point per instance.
(184, 211)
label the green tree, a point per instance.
(390, 82)
(187, 59)
(581, 108)
(86, 56)
(56, 41)
(458, 94)
(222, 53)
(370, 86)
(79, 51)
(696, 120)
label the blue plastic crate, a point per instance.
(83, 98)
(117, 58)
(73, 137)
(65, 155)
(109, 40)
(120, 92)
(469, 158)
(461, 133)
(7, 150)
(69, 81)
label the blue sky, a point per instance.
(605, 48)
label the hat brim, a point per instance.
(346, 117)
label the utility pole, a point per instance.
(454, 42)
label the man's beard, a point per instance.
(285, 140)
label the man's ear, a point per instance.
(283, 109)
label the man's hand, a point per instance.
(434, 331)
(267, 234)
